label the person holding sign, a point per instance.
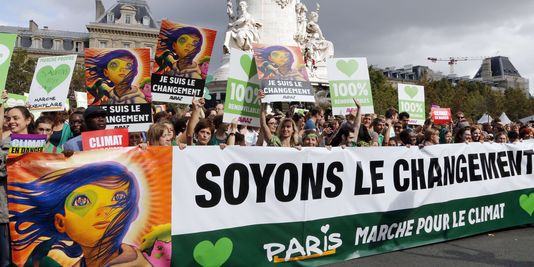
(198, 132)
(476, 133)
(286, 134)
(113, 73)
(20, 120)
(44, 125)
(181, 46)
(347, 133)
(431, 137)
(95, 119)
(159, 135)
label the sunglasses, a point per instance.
(460, 117)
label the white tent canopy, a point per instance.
(504, 119)
(486, 118)
(527, 119)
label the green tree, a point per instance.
(384, 95)
(19, 77)
(516, 104)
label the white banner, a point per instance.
(242, 186)
(51, 81)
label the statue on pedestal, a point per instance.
(302, 22)
(315, 47)
(242, 31)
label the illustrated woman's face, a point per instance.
(88, 212)
(279, 57)
(185, 45)
(118, 68)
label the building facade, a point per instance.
(41, 42)
(497, 72)
(126, 24)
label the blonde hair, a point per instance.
(429, 133)
(155, 131)
(294, 139)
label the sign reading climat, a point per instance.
(26, 143)
(181, 64)
(105, 139)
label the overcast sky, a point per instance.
(388, 33)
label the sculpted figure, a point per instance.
(301, 10)
(322, 48)
(243, 31)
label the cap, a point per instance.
(93, 111)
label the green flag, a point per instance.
(7, 43)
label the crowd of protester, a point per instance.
(199, 126)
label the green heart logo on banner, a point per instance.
(527, 203)
(411, 91)
(208, 255)
(249, 65)
(49, 78)
(347, 67)
(4, 53)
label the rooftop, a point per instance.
(142, 10)
(25, 31)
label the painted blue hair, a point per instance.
(169, 37)
(46, 197)
(97, 65)
(265, 53)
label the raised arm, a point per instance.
(358, 119)
(2, 104)
(233, 131)
(196, 108)
(264, 128)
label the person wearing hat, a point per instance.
(95, 119)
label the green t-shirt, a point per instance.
(275, 141)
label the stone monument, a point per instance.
(274, 22)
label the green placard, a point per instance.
(241, 101)
(7, 43)
(14, 100)
(412, 100)
(349, 79)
